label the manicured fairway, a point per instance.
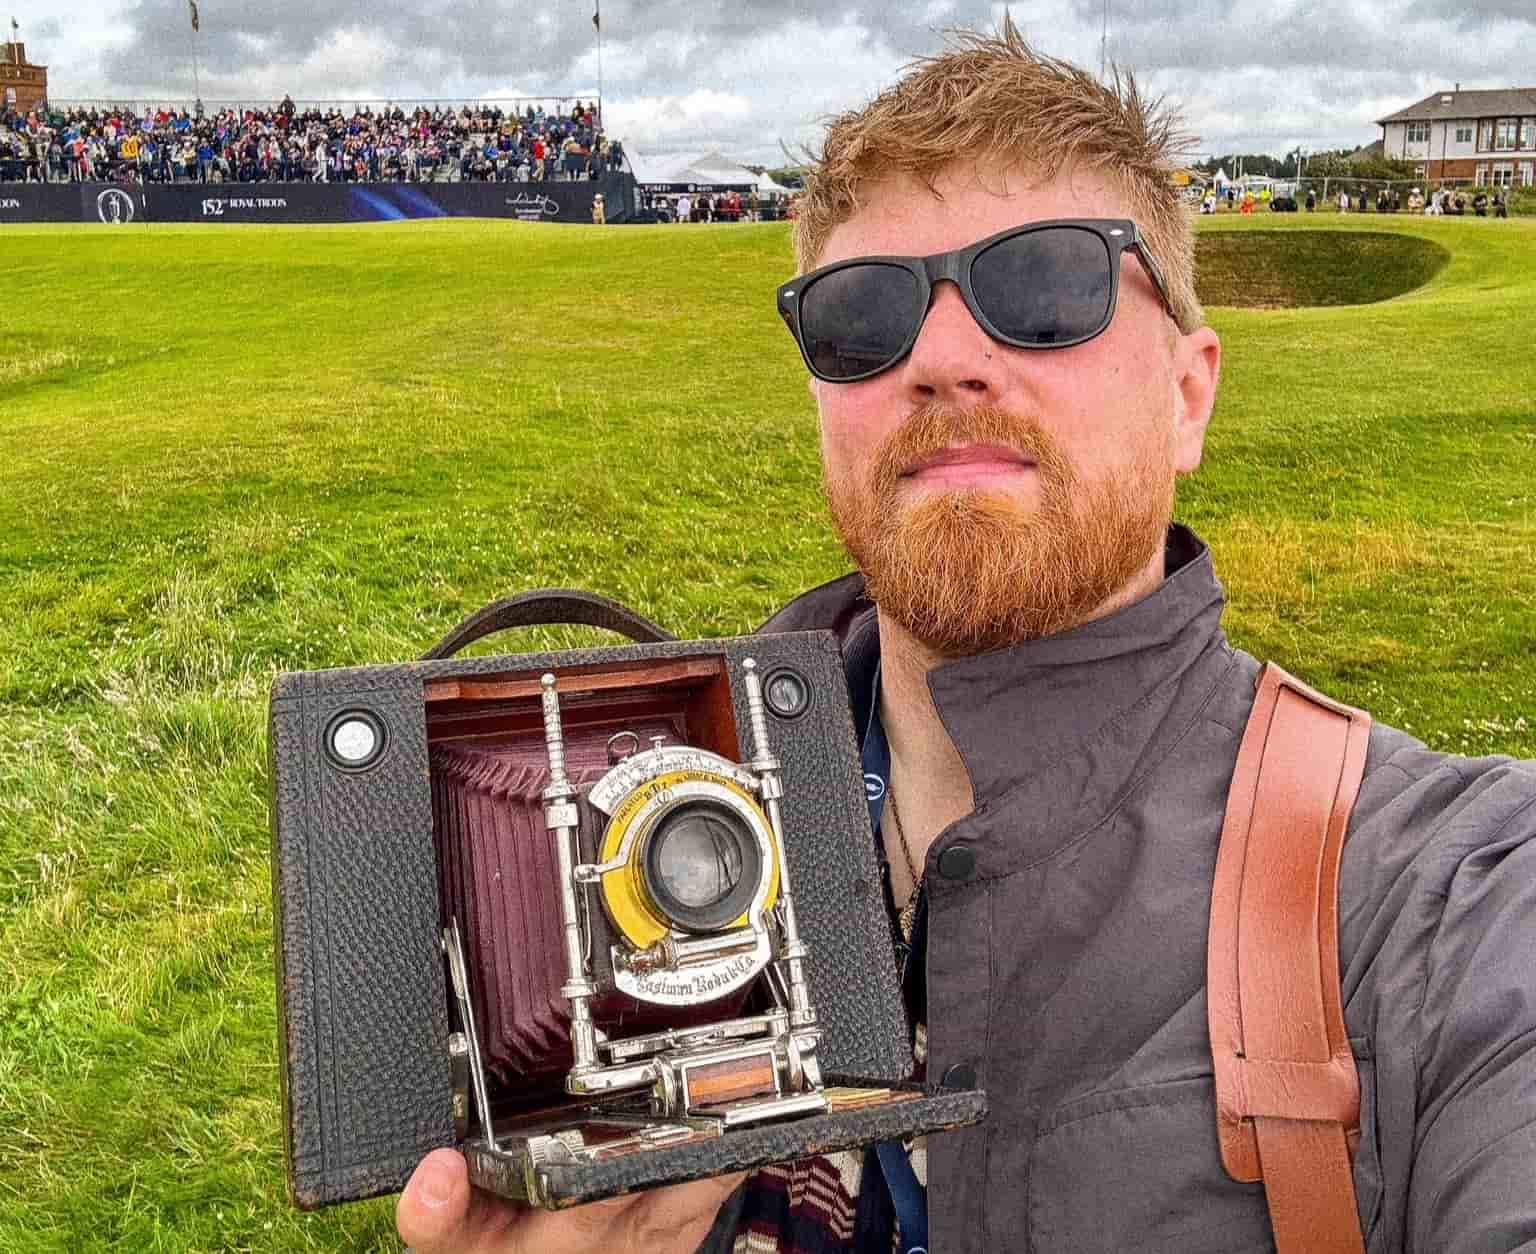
(227, 451)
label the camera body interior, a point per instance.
(603, 919)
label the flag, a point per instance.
(597, 18)
(192, 4)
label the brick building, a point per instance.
(21, 85)
(1488, 137)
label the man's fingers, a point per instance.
(671, 1220)
(439, 1214)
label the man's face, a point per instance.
(993, 494)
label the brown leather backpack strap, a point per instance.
(1287, 1090)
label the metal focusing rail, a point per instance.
(453, 947)
(766, 767)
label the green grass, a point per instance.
(227, 451)
(1285, 269)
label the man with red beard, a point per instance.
(996, 304)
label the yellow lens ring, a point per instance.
(623, 891)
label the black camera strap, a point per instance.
(548, 607)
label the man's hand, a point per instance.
(440, 1214)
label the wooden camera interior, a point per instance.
(691, 695)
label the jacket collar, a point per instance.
(1016, 711)
(1024, 708)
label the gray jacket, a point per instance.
(1067, 950)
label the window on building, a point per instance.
(1485, 134)
(1481, 175)
(1527, 174)
(1463, 134)
(1503, 176)
(1504, 135)
(1418, 132)
(1528, 133)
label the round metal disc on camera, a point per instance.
(354, 739)
(786, 692)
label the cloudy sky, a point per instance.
(743, 76)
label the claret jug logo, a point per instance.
(115, 206)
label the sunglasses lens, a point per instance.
(1046, 287)
(858, 319)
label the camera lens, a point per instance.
(702, 866)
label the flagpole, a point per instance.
(197, 87)
(597, 21)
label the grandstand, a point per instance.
(530, 140)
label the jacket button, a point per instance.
(958, 862)
(960, 1076)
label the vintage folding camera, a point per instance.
(604, 919)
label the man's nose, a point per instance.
(953, 360)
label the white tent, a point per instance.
(1220, 180)
(710, 169)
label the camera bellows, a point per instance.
(500, 879)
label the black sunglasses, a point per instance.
(1045, 285)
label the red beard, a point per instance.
(970, 571)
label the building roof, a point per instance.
(1506, 102)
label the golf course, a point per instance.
(228, 452)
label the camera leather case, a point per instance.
(604, 919)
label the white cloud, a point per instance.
(1253, 75)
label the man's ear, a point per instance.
(1197, 369)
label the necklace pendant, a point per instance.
(908, 915)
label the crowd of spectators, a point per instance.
(289, 144)
(725, 206)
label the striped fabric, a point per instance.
(804, 1207)
(808, 1207)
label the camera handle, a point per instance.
(549, 607)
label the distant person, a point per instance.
(1415, 201)
(1480, 204)
(1311, 200)
(685, 208)
(1500, 205)
(599, 216)
(1343, 202)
